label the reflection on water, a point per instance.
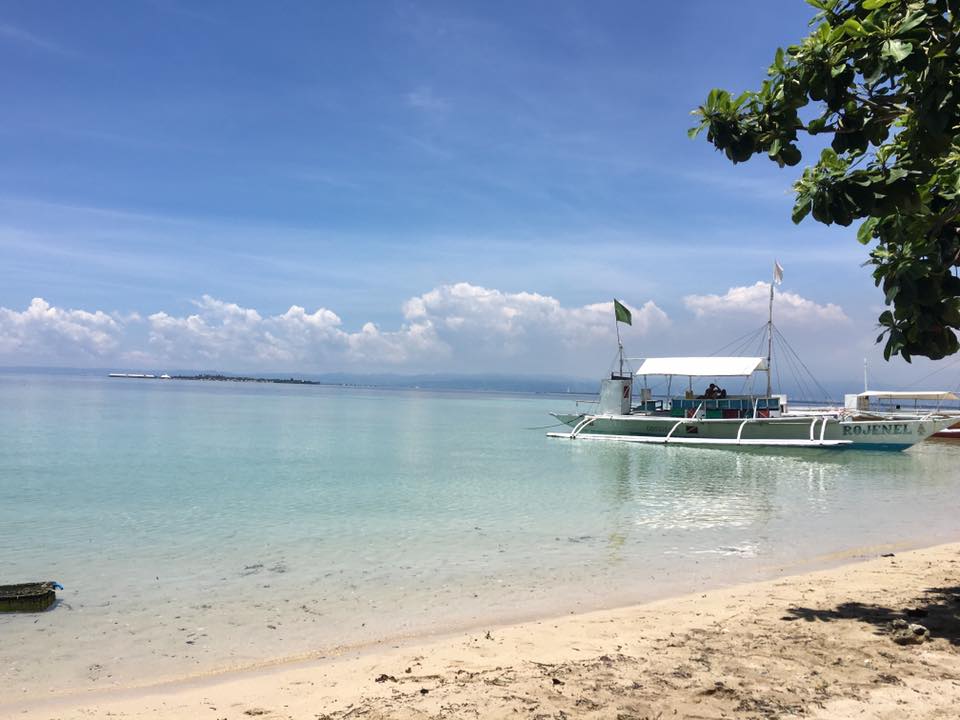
(762, 499)
(198, 525)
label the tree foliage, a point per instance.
(881, 79)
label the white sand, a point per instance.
(813, 645)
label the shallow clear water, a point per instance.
(200, 526)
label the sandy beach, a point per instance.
(821, 644)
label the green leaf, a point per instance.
(880, 79)
(800, 210)
(778, 60)
(910, 22)
(896, 50)
(790, 155)
(742, 98)
(865, 231)
(852, 28)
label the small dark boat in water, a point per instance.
(28, 597)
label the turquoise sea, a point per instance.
(200, 526)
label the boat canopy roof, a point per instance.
(702, 366)
(909, 395)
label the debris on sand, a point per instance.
(904, 633)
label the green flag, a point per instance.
(623, 315)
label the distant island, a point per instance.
(243, 378)
(438, 382)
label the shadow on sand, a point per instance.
(938, 609)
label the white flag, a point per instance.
(777, 272)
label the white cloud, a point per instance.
(234, 336)
(474, 327)
(45, 334)
(216, 328)
(754, 300)
(458, 327)
(513, 324)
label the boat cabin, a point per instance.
(617, 392)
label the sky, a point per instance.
(402, 187)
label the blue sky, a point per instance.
(167, 160)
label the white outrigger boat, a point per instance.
(908, 403)
(737, 420)
(761, 419)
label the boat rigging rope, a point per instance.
(931, 374)
(758, 338)
(754, 342)
(747, 338)
(779, 379)
(791, 365)
(796, 357)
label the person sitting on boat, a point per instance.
(722, 394)
(711, 392)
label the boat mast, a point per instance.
(770, 329)
(865, 388)
(619, 345)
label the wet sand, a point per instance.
(814, 645)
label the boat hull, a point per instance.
(950, 433)
(799, 431)
(27, 597)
